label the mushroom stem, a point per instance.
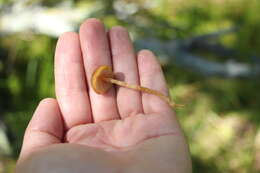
(143, 89)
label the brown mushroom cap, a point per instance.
(98, 83)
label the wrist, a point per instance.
(165, 154)
(69, 158)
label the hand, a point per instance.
(122, 121)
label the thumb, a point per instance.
(44, 129)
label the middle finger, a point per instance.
(95, 49)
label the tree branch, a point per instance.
(172, 52)
(178, 52)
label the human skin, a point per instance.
(121, 131)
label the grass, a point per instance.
(219, 120)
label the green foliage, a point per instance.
(28, 79)
(223, 113)
(220, 119)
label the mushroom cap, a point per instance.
(98, 83)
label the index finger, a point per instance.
(70, 81)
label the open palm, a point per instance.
(119, 120)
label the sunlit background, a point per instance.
(209, 49)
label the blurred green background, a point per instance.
(221, 116)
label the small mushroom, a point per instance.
(103, 78)
(98, 81)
